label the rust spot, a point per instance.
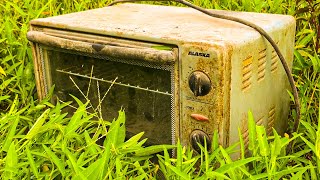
(119, 33)
(97, 47)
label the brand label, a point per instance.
(191, 53)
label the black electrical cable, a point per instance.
(262, 32)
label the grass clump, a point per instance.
(55, 146)
(268, 159)
(39, 141)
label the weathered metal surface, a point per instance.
(146, 54)
(240, 64)
(37, 70)
(266, 97)
(153, 23)
(210, 105)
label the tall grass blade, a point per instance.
(242, 148)
(309, 144)
(225, 168)
(122, 128)
(103, 168)
(132, 141)
(11, 134)
(275, 150)
(14, 105)
(93, 171)
(298, 175)
(56, 160)
(215, 141)
(117, 132)
(282, 173)
(74, 164)
(317, 144)
(118, 168)
(6, 83)
(252, 132)
(4, 98)
(77, 116)
(179, 155)
(312, 173)
(90, 143)
(177, 171)
(153, 150)
(228, 160)
(17, 8)
(140, 171)
(32, 163)
(262, 140)
(2, 71)
(216, 175)
(310, 130)
(37, 125)
(11, 162)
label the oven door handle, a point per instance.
(145, 54)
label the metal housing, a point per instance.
(244, 70)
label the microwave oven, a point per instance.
(177, 73)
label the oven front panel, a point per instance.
(143, 89)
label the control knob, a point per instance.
(199, 83)
(199, 137)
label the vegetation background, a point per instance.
(38, 141)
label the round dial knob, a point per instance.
(199, 137)
(199, 83)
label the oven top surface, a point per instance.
(165, 24)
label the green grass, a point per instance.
(38, 141)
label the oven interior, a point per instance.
(142, 89)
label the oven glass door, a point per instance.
(142, 89)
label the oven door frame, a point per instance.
(103, 45)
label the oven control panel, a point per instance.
(201, 104)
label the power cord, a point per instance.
(263, 33)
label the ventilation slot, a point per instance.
(246, 73)
(260, 122)
(274, 60)
(262, 61)
(245, 136)
(271, 118)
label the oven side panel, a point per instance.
(259, 84)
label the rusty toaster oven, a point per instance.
(178, 73)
